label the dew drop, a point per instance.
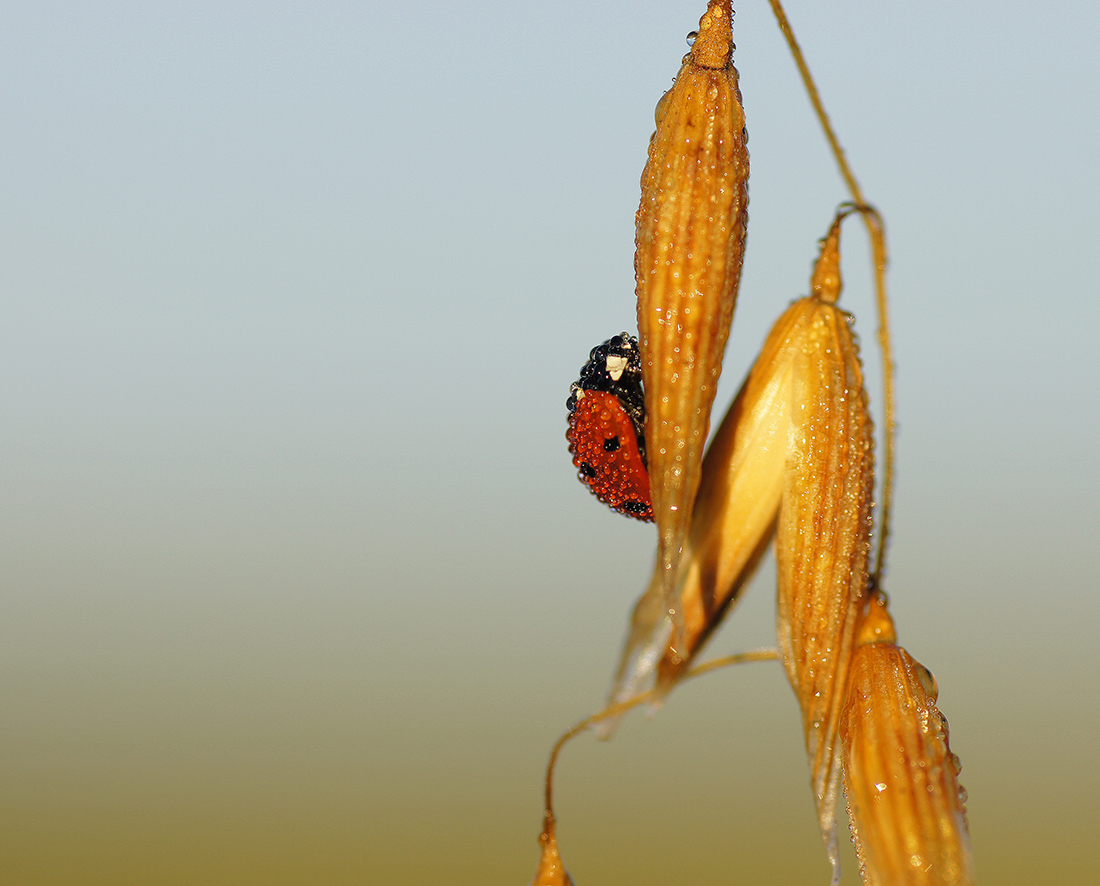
(691, 37)
(927, 681)
(662, 107)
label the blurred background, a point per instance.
(297, 584)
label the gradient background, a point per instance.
(297, 582)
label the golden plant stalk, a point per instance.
(551, 871)
(792, 460)
(690, 233)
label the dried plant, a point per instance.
(690, 237)
(792, 463)
(905, 805)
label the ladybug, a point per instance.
(607, 427)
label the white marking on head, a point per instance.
(615, 366)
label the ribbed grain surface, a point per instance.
(823, 540)
(690, 238)
(742, 481)
(904, 800)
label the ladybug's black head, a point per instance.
(615, 367)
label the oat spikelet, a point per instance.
(823, 531)
(734, 515)
(690, 239)
(743, 480)
(906, 807)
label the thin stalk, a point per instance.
(877, 234)
(622, 707)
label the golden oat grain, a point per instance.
(690, 234)
(905, 805)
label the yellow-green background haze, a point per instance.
(296, 581)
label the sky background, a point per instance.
(297, 584)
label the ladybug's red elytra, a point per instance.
(607, 427)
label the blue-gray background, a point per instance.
(297, 584)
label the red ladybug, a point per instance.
(607, 427)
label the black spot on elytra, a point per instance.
(586, 470)
(634, 507)
(611, 444)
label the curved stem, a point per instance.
(877, 234)
(623, 706)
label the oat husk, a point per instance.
(824, 531)
(690, 234)
(905, 805)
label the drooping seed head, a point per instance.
(690, 241)
(905, 805)
(823, 533)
